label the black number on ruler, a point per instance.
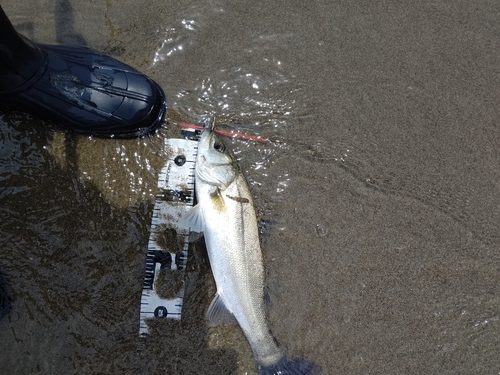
(164, 258)
(161, 312)
(153, 257)
(179, 261)
(176, 196)
(191, 135)
(180, 160)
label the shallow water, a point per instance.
(379, 187)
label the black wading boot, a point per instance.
(80, 89)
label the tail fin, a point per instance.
(291, 367)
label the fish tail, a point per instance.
(286, 366)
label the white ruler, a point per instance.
(176, 184)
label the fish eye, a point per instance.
(220, 147)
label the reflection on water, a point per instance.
(248, 94)
(20, 156)
(124, 171)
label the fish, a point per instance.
(225, 215)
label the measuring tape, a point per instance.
(168, 244)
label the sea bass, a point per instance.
(225, 214)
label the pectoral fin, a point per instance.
(218, 313)
(193, 220)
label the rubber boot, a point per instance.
(78, 88)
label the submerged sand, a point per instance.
(378, 189)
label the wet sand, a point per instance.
(379, 188)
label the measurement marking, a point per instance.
(176, 184)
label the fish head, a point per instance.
(215, 165)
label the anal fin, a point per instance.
(218, 313)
